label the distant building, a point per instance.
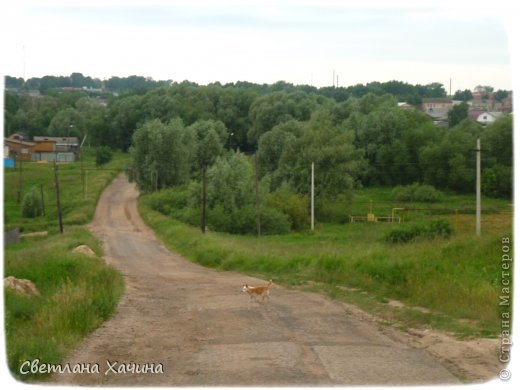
(62, 149)
(474, 114)
(437, 109)
(485, 118)
(430, 104)
(63, 144)
(19, 149)
(19, 137)
(405, 106)
(486, 101)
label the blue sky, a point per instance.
(295, 41)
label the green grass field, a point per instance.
(78, 204)
(450, 284)
(77, 292)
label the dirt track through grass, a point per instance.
(202, 329)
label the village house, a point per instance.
(41, 148)
(486, 117)
(437, 109)
(435, 104)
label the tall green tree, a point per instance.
(457, 114)
(272, 143)
(497, 158)
(331, 148)
(465, 95)
(163, 154)
(126, 116)
(230, 183)
(67, 123)
(270, 110)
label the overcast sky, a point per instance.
(301, 42)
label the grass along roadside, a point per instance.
(77, 294)
(78, 205)
(449, 284)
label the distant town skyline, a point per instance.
(309, 42)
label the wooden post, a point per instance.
(258, 211)
(58, 203)
(204, 193)
(20, 179)
(477, 224)
(82, 173)
(312, 196)
(43, 201)
(86, 183)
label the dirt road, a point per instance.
(202, 329)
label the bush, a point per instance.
(169, 201)
(295, 206)
(103, 155)
(441, 228)
(407, 233)
(219, 220)
(416, 193)
(274, 221)
(497, 182)
(32, 205)
(243, 221)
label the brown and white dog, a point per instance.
(255, 292)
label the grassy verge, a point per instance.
(77, 294)
(78, 202)
(450, 284)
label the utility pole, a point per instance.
(20, 178)
(258, 215)
(82, 173)
(43, 201)
(312, 196)
(203, 216)
(58, 203)
(478, 189)
(85, 188)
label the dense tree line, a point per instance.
(356, 136)
(78, 80)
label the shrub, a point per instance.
(103, 155)
(219, 220)
(407, 233)
(416, 193)
(274, 221)
(32, 205)
(440, 227)
(497, 182)
(403, 235)
(295, 206)
(243, 221)
(189, 215)
(170, 200)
